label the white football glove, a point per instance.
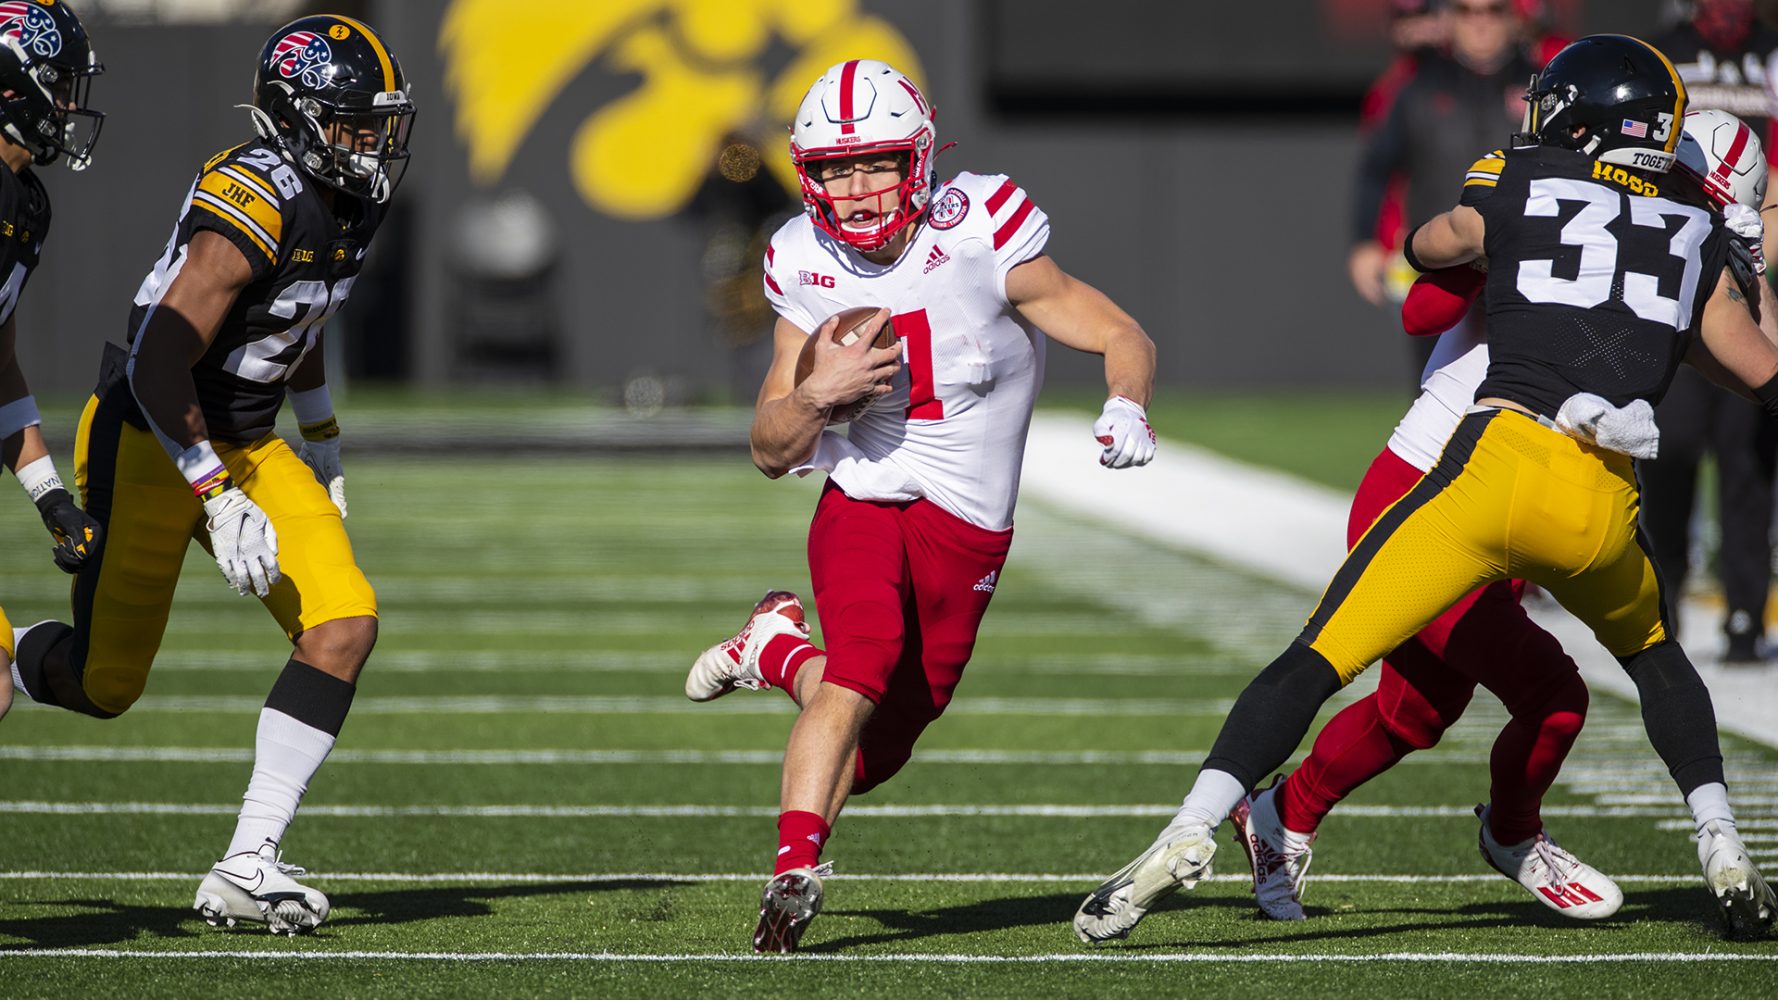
(324, 458)
(243, 541)
(1123, 429)
(1744, 222)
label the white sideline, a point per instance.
(1293, 531)
(924, 958)
(670, 705)
(527, 878)
(313, 811)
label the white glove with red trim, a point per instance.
(1123, 429)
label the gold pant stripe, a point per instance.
(130, 485)
(1510, 498)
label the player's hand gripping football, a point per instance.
(846, 374)
(77, 535)
(242, 539)
(1123, 429)
(321, 453)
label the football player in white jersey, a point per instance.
(912, 529)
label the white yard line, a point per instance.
(539, 811)
(1013, 878)
(668, 705)
(1294, 531)
(920, 958)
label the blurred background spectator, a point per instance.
(1459, 103)
(1729, 61)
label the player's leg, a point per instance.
(857, 564)
(1619, 596)
(1746, 447)
(327, 607)
(122, 594)
(770, 650)
(7, 677)
(1669, 483)
(955, 569)
(1445, 538)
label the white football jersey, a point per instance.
(953, 430)
(1458, 364)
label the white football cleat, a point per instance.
(1742, 896)
(1556, 878)
(1178, 859)
(1279, 866)
(734, 662)
(260, 887)
(789, 902)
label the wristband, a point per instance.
(313, 407)
(1407, 250)
(325, 430)
(1768, 395)
(18, 415)
(205, 472)
(39, 477)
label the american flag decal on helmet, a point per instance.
(300, 53)
(1634, 129)
(32, 26)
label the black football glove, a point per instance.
(77, 535)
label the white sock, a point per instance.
(1710, 804)
(1213, 795)
(286, 754)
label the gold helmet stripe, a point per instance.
(388, 64)
(1679, 102)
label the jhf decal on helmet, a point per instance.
(642, 155)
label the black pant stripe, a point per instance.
(104, 437)
(1456, 455)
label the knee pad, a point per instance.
(54, 674)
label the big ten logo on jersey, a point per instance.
(1624, 178)
(812, 278)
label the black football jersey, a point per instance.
(24, 222)
(305, 254)
(1596, 276)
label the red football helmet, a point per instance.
(859, 107)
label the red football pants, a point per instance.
(1426, 683)
(901, 589)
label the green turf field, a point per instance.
(523, 802)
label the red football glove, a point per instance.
(1440, 298)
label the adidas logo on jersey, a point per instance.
(986, 583)
(934, 259)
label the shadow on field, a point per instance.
(100, 921)
(1171, 926)
(104, 922)
(1056, 909)
(402, 906)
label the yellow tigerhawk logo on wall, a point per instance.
(643, 155)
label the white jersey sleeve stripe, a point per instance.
(222, 207)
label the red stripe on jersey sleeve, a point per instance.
(773, 285)
(999, 197)
(1011, 225)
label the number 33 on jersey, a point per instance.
(304, 259)
(955, 423)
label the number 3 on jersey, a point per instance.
(1599, 270)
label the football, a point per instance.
(853, 323)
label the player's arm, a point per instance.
(177, 332)
(21, 444)
(1446, 240)
(788, 418)
(1075, 314)
(312, 405)
(1732, 350)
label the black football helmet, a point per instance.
(46, 75)
(330, 94)
(1623, 90)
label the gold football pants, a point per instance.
(129, 485)
(1509, 498)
